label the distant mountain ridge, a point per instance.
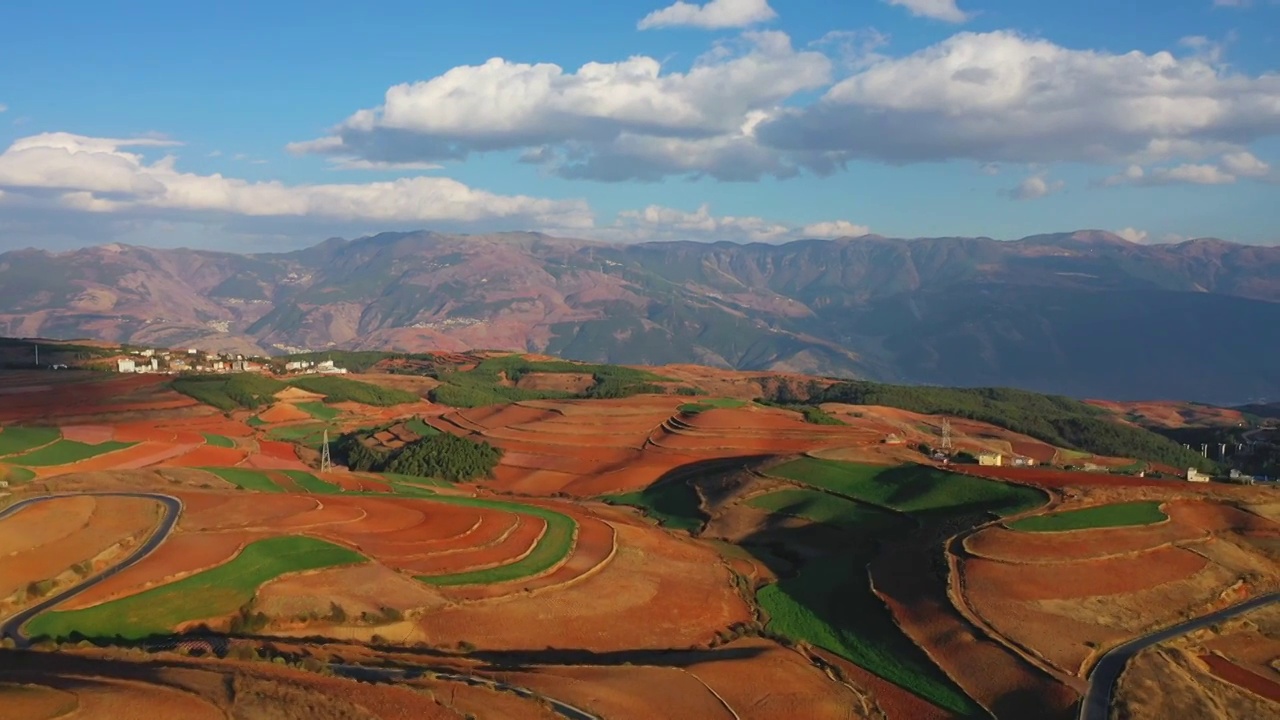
(1086, 314)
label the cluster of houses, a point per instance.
(195, 360)
(998, 459)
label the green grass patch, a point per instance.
(311, 483)
(1103, 516)
(221, 441)
(551, 548)
(64, 452)
(309, 435)
(420, 428)
(212, 593)
(338, 389)
(829, 509)
(254, 480)
(674, 504)
(319, 410)
(255, 421)
(412, 480)
(915, 489)
(14, 475)
(15, 440)
(711, 404)
(830, 604)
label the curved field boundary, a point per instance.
(17, 440)
(479, 535)
(1243, 678)
(248, 479)
(67, 452)
(585, 562)
(525, 542)
(310, 483)
(211, 593)
(551, 549)
(221, 441)
(1114, 515)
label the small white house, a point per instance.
(990, 458)
(126, 365)
(1194, 475)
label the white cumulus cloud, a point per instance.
(715, 14)
(102, 175)
(944, 10)
(1133, 235)
(1036, 186)
(606, 121)
(1005, 97)
(656, 222)
(1229, 168)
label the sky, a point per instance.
(250, 126)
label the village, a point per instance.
(193, 360)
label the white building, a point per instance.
(1194, 475)
(990, 458)
(126, 365)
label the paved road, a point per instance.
(1096, 704)
(12, 627)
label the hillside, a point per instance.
(1085, 314)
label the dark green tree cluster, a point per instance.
(1054, 419)
(445, 456)
(338, 389)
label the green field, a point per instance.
(311, 483)
(229, 392)
(394, 478)
(13, 475)
(551, 549)
(64, 452)
(254, 480)
(674, 504)
(21, 439)
(221, 441)
(829, 509)
(830, 604)
(319, 410)
(212, 593)
(711, 404)
(915, 489)
(420, 428)
(339, 389)
(307, 435)
(1103, 516)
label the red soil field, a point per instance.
(640, 692)
(245, 511)
(44, 523)
(91, 434)
(1240, 677)
(1040, 452)
(144, 432)
(130, 458)
(533, 482)
(182, 553)
(328, 515)
(1217, 517)
(277, 450)
(998, 679)
(350, 483)
(509, 549)
(209, 456)
(113, 520)
(1110, 576)
(264, 462)
(219, 425)
(283, 413)
(1000, 543)
(489, 528)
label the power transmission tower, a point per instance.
(946, 436)
(326, 463)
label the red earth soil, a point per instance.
(510, 549)
(532, 482)
(130, 458)
(1240, 677)
(45, 522)
(283, 413)
(91, 434)
(182, 553)
(265, 462)
(994, 676)
(1039, 452)
(245, 511)
(489, 528)
(330, 516)
(144, 432)
(1110, 576)
(209, 456)
(1217, 517)
(892, 700)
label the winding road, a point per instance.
(12, 627)
(1096, 704)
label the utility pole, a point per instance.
(326, 464)
(37, 356)
(946, 436)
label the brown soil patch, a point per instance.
(294, 393)
(208, 456)
(1110, 576)
(656, 592)
(283, 413)
(1240, 677)
(90, 434)
(561, 382)
(246, 511)
(277, 450)
(1001, 543)
(359, 588)
(44, 522)
(511, 548)
(131, 458)
(639, 692)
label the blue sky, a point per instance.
(269, 125)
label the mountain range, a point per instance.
(1086, 313)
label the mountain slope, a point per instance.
(1085, 313)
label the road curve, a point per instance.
(12, 627)
(1096, 704)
